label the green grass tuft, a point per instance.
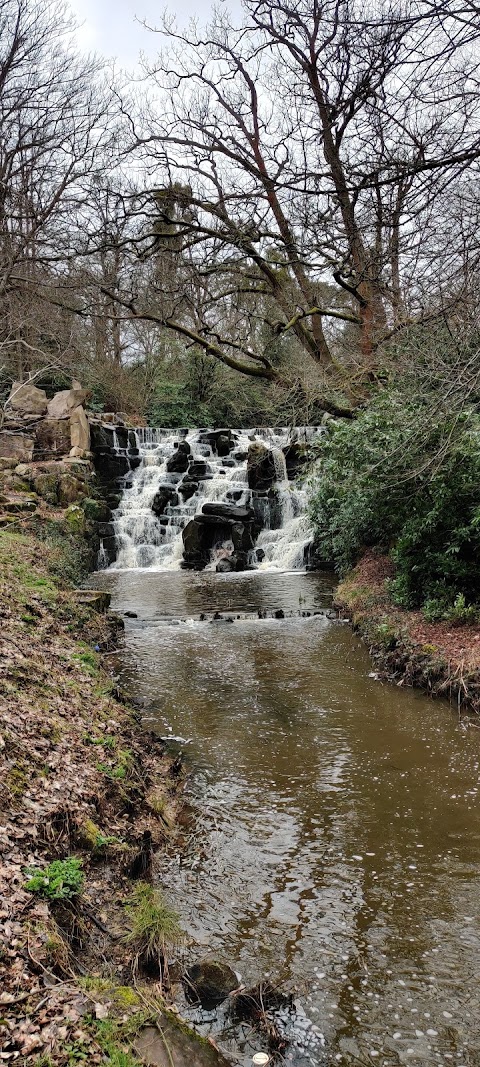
(154, 925)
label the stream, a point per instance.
(338, 831)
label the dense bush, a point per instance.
(405, 477)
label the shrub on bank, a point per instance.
(405, 477)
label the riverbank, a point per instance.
(440, 658)
(80, 784)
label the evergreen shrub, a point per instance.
(404, 477)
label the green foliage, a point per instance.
(172, 405)
(406, 480)
(60, 880)
(121, 769)
(88, 660)
(457, 614)
(69, 554)
(153, 923)
(95, 510)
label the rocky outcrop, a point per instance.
(57, 427)
(232, 512)
(63, 403)
(229, 528)
(222, 442)
(79, 432)
(26, 399)
(261, 471)
(16, 446)
(52, 439)
(178, 462)
(297, 456)
(115, 452)
(165, 496)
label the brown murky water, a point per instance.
(340, 845)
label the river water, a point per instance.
(338, 843)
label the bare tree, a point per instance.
(55, 128)
(295, 168)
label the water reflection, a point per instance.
(342, 836)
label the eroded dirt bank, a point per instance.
(439, 657)
(79, 780)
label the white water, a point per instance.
(143, 541)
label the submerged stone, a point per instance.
(209, 982)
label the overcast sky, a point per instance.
(110, 27)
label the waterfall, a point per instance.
(180, 471)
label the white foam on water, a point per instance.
(145, 542)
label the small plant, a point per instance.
(61, 880)
(158, 803)
(121, 769)
(102, 739)
(88, 660)
(153, 925)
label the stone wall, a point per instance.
(38, 429)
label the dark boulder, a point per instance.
(187, 488)
(101, 437)
(106, 529)
(242, 537)
(296, 457)
(209, 982)
(113, 500)
(197, 470)
(122, 436)
(179, 460)
(261, 472)
(224, 445)
(192, 536)
(164, 496)
(214, 521)
(221, 441)
(228, 511)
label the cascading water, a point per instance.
(181, 471)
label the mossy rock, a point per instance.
(96, 599)
(172, 1041)
(47, 486)
(74, 519)
(88, 835)
(70, 489)
(96, 510)
(20, 502)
